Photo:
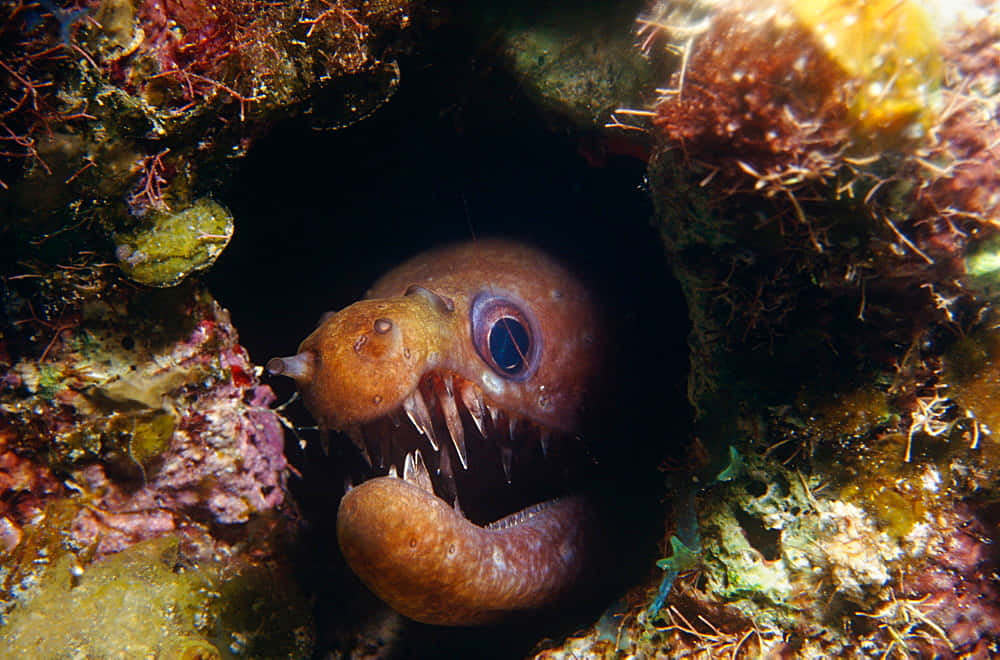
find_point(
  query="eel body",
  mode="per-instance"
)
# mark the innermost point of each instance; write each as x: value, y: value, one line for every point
x: 471, y: 356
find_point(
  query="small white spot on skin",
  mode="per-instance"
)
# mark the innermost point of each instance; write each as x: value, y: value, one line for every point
x: 567, y: 552
x: 492, y: 383
x: 498, y: 559
x: 556, y: 294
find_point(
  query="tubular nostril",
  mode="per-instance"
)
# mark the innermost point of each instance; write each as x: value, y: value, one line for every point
x: 382, y: 325
x: 443, y: 303
x: 297, y: 366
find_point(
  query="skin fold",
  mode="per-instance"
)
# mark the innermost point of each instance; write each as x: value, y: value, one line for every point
x: 493, y: 346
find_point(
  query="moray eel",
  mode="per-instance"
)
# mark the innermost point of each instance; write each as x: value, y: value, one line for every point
x: 474, y: 363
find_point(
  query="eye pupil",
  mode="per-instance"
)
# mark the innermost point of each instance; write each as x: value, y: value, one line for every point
x: 509, y: 343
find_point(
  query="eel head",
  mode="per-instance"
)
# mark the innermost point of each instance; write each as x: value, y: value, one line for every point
x: 476, y: 364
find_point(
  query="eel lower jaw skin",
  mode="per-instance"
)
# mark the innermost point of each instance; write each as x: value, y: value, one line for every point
x: 424, y: 556
x: 431, y: 564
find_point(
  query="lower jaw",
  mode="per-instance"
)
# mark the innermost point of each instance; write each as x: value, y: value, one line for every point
x: 431, y: 564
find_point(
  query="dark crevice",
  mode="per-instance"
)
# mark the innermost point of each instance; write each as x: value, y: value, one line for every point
x: 459, y: 153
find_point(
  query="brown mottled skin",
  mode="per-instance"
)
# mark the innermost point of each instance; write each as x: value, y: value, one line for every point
x: 362, y: 363
x: 435, y: 566
x: 352, y: 383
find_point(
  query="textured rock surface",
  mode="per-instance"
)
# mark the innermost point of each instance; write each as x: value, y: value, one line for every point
x: 135, y: 439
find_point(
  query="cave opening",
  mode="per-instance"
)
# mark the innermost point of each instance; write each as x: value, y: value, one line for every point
x: 458, y: 153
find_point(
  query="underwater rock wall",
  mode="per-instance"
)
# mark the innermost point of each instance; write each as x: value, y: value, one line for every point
x: 826, y: 183
x: 825, y: 179
x: 142, y: 474
x: 142, y: 467
x: 123, y: 115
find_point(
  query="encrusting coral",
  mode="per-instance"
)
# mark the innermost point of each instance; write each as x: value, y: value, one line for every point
x: 119, y: 115
x: 132, y: 418
x: 827, y: 182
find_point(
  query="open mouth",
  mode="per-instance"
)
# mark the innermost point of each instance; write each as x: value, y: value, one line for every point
x: 485, y: 461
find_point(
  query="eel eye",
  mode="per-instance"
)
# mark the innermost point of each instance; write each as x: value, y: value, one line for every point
x: 502, y: 334
x: 509, y: 344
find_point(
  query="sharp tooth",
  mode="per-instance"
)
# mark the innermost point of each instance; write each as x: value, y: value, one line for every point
x: 512, y: 427
x: 507, y: 458
x: 384, y: 449
x: 447, y: 481
x: 494, y: 414
x: 415, y: 471
x: 416, y: 410
x: 544, y: 436
x: 454, y: 423
x: 348, y: 485
x: 358, y: 438
x: 393, y: 472
x: 472, y: 399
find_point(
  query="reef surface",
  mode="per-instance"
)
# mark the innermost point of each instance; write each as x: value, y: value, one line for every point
x: 825, y: 184
x: 825, y: 181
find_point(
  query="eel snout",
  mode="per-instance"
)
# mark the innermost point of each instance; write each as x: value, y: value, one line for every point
x: 431, y: 564
x: 363, y: 361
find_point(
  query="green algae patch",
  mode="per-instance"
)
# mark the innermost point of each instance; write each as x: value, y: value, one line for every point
x: 129, y: 441
x: 136, y: 604
x: 171, y: 246
x: 151, y: 601
x: 261, y: 615
x: 852, y: 415
x: 982, y: 267
x: 897, y: 512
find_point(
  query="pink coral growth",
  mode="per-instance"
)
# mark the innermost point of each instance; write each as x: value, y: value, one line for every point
x: 25, y: 485
x: 224, y: 464
x: 170, y: 433
x: 959, y: 591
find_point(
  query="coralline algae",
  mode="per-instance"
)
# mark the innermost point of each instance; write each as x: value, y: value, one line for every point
x: 137, y: 428
x: 825, y: 181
